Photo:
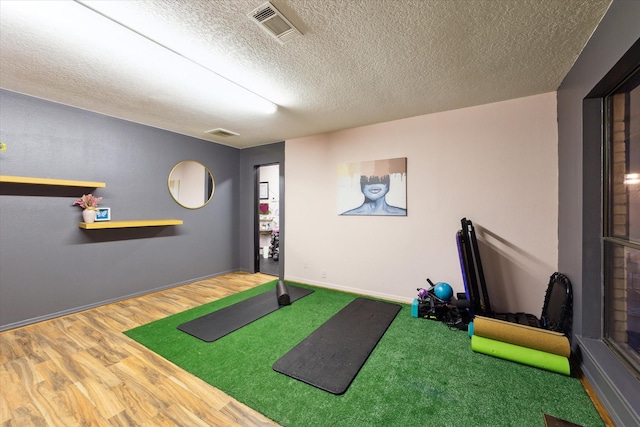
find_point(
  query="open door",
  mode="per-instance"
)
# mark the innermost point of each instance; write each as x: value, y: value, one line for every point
x: 267, y: 239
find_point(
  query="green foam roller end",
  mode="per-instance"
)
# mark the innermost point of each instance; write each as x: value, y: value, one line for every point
x: 526, y: 356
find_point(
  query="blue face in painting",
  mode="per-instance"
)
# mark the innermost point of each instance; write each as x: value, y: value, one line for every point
x: 375, y: 191
x: 374, y: 187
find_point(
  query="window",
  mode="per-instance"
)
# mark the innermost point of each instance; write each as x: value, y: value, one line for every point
x: 622, y: 222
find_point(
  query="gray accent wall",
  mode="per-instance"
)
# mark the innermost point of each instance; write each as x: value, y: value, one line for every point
x: 48, y: 265
x: 580, y: 212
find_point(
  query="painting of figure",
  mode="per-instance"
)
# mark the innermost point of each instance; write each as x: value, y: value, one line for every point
x: 377, y: 187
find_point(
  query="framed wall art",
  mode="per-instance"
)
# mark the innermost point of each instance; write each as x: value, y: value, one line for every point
x: 264, y: 190
x: 103, y: 214
x: 377, y: 187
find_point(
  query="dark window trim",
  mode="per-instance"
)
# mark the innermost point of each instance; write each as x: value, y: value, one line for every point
x: 607, y: 374
x: 619, y: 73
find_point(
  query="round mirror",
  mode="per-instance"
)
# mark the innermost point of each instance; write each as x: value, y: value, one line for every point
x: 191, y: 184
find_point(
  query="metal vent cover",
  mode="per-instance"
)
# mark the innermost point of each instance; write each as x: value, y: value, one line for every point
x: 221, y: 132
x: 274, y: 23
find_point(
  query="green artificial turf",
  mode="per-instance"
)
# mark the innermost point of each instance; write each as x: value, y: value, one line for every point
x: 420, y: 373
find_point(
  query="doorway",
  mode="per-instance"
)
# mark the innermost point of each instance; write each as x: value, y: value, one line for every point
x: 267, y: 239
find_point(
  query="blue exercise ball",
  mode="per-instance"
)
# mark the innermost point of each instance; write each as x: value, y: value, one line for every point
x: 444, y: 291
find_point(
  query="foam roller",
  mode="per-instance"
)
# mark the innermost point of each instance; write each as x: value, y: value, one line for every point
x: 521, y: 335
x: 526, y: 356
x: 282, y: 292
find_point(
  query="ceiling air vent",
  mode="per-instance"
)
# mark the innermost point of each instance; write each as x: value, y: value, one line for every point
x: 274, y: 23
x: 221, y: 132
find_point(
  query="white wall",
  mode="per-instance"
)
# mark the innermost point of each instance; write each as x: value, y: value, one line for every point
x: 495, y: 164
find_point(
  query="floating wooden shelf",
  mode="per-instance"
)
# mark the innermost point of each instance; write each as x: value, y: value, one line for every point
x: 50, y: 181
x: 128, y: 224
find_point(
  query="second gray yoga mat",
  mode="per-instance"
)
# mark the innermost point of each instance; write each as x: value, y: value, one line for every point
x: 331, y: 357
x: 213, y: 326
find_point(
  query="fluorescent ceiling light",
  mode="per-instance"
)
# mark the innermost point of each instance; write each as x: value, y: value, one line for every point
x: 126, y: 53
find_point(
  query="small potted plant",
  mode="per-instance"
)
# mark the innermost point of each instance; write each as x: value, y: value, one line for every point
x: 89, y: 203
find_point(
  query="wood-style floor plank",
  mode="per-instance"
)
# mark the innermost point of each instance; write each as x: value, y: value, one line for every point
x: 81, y: 370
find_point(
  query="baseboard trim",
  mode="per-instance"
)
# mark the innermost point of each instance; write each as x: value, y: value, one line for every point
x: 49, y: 316
x: 351, y: 290
x: 602, y: 411
x: 609, y: 380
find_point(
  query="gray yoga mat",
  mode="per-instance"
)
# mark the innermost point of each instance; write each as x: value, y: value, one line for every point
x: 213, y: 326
x: 331, y: 357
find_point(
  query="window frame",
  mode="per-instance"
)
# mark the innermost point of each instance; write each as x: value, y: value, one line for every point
x: 624, y: 85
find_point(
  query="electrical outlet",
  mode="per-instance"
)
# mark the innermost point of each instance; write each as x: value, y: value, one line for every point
x: 324, y: 274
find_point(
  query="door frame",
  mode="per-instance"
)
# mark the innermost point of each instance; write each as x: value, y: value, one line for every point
x: 256, y: 216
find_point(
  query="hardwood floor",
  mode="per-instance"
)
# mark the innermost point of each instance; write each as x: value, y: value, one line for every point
x: 80, y: 370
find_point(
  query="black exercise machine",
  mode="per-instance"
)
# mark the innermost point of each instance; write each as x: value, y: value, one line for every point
x: 556, y: 310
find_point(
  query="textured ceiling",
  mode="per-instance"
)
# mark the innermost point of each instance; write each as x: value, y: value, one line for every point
x: 358, y: 62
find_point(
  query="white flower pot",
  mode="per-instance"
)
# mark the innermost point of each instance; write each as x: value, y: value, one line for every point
x: 89, y: 215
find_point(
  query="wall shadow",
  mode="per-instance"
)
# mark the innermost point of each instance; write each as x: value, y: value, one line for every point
x: 508, y: 269
x: 118, y: 234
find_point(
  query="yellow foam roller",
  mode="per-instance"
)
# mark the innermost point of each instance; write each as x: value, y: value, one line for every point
x: 524, y: 336
x: 526, y: 356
